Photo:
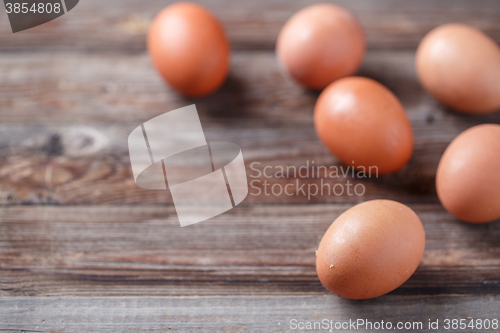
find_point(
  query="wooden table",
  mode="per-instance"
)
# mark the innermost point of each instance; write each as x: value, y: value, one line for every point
x: 83, y: 249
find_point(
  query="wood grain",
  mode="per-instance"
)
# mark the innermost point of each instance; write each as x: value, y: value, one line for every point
x: 258, y: 250
x: 64, y: 134
x: 62, y: 89
x: 229, y: 314
x: 121, y: 25
x: 83, y: 249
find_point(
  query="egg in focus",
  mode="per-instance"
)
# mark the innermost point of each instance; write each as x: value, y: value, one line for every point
x: 320, y: 44
x: 370, y: 250
x: 189, y: 49
x: 364, y: 124
x: 460, y: 66
x: 468, y: 175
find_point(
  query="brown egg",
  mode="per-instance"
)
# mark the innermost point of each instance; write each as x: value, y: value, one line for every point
x: 370, y: 250
x: 364, y: 124
x: 320, y: 44
x: 468, y: 175
x: 460, y: 66
x: 189, y: 48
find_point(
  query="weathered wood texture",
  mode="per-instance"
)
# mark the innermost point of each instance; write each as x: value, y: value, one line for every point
x: 260, y: 250
x: 66, y: 118
x: 98, y: 254
x: 232, y: 314
x: 122, y: 24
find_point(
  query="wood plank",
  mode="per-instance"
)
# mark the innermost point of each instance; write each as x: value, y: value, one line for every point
x: 109, y: 89
x: 242, y: 314
x: 122, y: 24
x: 62, y: 89
x: 90, y: 165
x: 258, y: 250
x: 64, y: 137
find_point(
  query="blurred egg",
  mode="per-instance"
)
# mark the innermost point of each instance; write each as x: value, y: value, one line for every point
x: 320, y: 44
x: 362, y: 123
x: 370, y: 250
x: 460, y: 66
x: 189, y: 48
x: 468, y: 175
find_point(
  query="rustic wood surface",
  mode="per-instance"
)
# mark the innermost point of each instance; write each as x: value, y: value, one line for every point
x: 83, y: 249
x: 120, y: 25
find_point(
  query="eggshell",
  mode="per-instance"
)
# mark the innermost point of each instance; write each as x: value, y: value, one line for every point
x: 189, y: 48
x: 460, y: 66
x: 320, y: 44
x: 370, y: 250
x: 468, y: 175
x: 364, y: 124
